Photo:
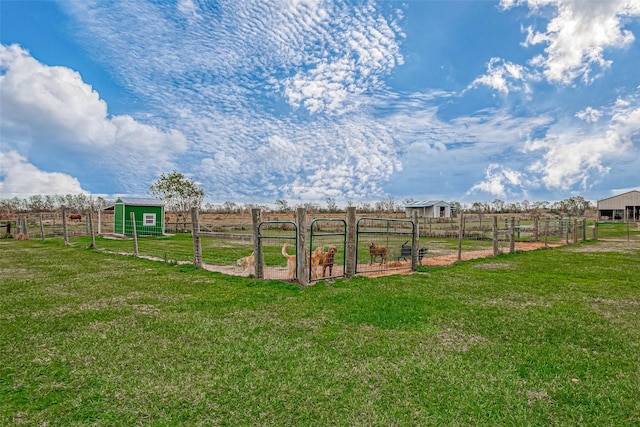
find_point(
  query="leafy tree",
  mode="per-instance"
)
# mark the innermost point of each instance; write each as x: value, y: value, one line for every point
x: 229, y: 206
x: 282, y: 205
x: 178, y: 192
x: 498, y: 205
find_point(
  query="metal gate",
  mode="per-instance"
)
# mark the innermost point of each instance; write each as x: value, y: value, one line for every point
x: 327, y: 248
x: 384, y: 244
x: 272, y: 238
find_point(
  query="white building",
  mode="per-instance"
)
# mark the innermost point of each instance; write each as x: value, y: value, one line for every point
x: 428, y: 209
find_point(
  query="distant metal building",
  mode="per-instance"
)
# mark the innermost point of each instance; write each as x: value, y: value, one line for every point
x: 428, y: 209
x: 623, y: 207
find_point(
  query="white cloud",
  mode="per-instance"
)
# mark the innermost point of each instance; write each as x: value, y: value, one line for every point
x: 235, y: 73
x: 589, y: 115
x: 19, y: 178
x: 577, y: 35
x: 572, y: 157
x: 505, y: 77
x: 500, y: 181
x: 50, y: 102
x: 45, y: 107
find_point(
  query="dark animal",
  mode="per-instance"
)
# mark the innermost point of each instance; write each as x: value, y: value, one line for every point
x: 76, y: 217
x: 422, y: 252
x: 377, y: 251
x: 405, y: 251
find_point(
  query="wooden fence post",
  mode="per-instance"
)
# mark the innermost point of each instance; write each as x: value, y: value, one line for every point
x: 416, y: 242
x: 301, y: 257
x: 257, y: 244
x: 351, y: 242
x: 25, y: 231
x: 575, y: 230
x: 595, y: 230
x: 584, y: 229
x: 93, y: 237
x: 495, y: 236
x: 135, y: 234
x: 197, y: 244
x: 512, y: 236
x: 41, y: 228
x: 460, y: 235
x: 65, y: 232
x: 536, y: 224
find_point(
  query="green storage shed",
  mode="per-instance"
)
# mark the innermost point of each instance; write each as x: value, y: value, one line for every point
x: 148, y: 213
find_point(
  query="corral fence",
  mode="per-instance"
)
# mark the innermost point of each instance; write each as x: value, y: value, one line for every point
x: 408, y: 242
x: 330, y: 233
x: 274, y: 238
x: 384, y: 243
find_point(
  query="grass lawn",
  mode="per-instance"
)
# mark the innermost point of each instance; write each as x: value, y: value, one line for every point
x: 550, y: 337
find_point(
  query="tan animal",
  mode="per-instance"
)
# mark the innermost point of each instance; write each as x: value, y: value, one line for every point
x: 247, y: 263
x: 328, y: 260
x: 316, y: 261
x: 291, y: 261
x: 377, y: 251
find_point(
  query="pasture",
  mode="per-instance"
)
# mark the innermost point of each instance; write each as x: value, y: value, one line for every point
x: 549, y: 337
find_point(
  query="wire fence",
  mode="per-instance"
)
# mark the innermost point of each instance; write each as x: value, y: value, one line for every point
x: 227, y: 246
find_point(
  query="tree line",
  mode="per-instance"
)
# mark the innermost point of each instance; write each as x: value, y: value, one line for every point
x: 574, y: 206
x: 181, y: 193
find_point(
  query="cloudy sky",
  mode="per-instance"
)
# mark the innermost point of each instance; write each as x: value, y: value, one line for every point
x: 303, y: 100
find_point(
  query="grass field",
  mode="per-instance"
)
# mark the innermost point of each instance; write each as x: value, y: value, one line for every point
x: 550, y: 337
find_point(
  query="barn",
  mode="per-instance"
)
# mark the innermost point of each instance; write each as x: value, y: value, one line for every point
x: 148, y: 213
x: 623, y: 207
x: 428, y: 209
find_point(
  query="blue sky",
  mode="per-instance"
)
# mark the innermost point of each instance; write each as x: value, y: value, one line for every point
x: 303, y: 100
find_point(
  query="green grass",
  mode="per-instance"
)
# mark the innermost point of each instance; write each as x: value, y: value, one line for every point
x: 618, y: 230
x: 539, y: 338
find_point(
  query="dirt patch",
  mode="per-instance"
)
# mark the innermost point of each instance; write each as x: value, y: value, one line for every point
x: 395, y: 267
x: 622, y: 246
x: 485, y: 253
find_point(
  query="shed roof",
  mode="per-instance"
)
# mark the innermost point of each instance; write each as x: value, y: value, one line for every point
x: 140, y: 201
x: 136, y: 201
x: 425, y: 204
x: 628, y: 193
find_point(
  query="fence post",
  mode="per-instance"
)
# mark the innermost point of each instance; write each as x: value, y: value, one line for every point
x: 25, y: 231
x: 536, y: 224
x: 41, y: 228
x: 595, y: 230
x: 416, y: 242
x: 584, y: 229
x: 93, y: 237
x: 65, y: 232
x: 135, y: 234
x: 99, y: 221
x: 351, y: 242
x: 546, y: 232
x: 301, y: 257
x: 197, y: 244
x: 257, y: 244
x: 512, y: 236
x: 495, y: 236
x: 460, y: 235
